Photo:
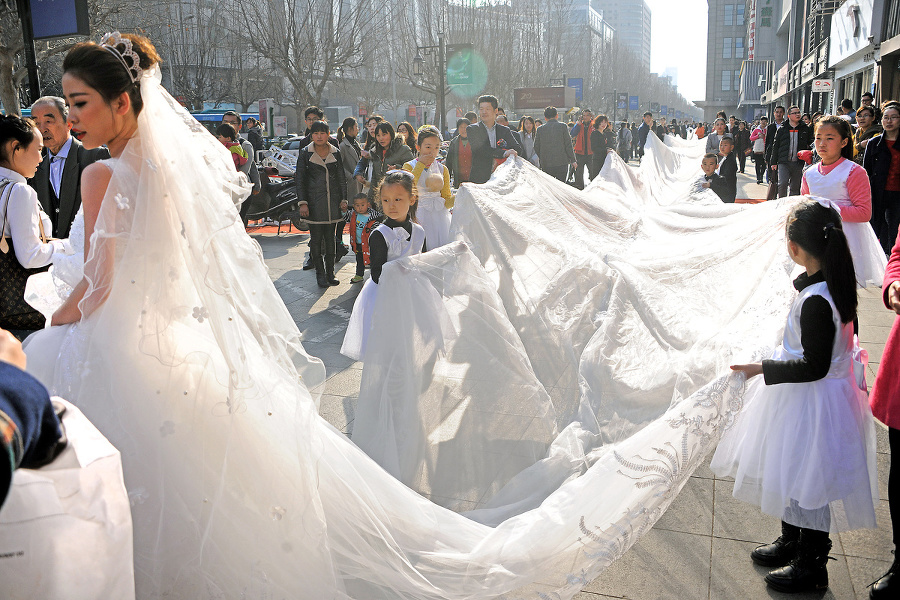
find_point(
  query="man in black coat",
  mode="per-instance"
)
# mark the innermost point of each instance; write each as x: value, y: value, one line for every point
x: 58, y: 177
x: 554, y: 146
x: 771, y: 130
x: 490, y: 141
x: 793, y: 137
x: 643, y: 131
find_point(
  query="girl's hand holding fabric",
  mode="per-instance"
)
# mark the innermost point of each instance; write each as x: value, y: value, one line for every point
x: 751, y: 370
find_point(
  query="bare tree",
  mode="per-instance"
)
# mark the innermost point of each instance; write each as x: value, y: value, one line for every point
x: 308, y: 42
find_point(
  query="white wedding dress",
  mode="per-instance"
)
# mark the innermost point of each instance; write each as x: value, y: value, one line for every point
x: 593, y: 332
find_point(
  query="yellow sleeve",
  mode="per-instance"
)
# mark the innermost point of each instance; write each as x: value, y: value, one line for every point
x: 407, y: 167
x: 446, y: 194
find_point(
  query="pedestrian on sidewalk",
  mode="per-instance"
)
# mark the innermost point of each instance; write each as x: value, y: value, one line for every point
x: 725, y: 186
x: 715, y: 136
x: 642, y: 133
x: 603, y: 141
x: 321, y: 195
x: 789, y: 140
x: 772, y: 174
x: 584, y: 155
x: 758, y: 145
x: 625, y: 141
x: 363, y: 220
x: 554, y: 146
x: 866, y: 129
x: 805, y: 452
x: 886, y: 407
x: 742, y: 145
x: 882, y: 163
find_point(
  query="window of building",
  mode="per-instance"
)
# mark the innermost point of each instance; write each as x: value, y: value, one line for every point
x: 726, y: 81
x: 739, y: 47
x: 737, y: 80
x: 729, y: 15
x: 726, y: 47
x: 739, y: 16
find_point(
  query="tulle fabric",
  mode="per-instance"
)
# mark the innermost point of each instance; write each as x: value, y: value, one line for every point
x: 808, y: 446
x: 615, y: 312
x: 46, y: 291
x: 399, y: 244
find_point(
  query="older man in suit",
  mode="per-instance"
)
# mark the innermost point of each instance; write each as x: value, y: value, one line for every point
x: 553, y: 145
x: 490, y: 141
x: 58, y: 177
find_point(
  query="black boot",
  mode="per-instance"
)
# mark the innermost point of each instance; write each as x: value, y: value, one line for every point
x: 888, y: 586
x: 329, y: 270
x: 808, y: 571
x: 781, y: 551
x: 319, y: 264
x: 309, y: 264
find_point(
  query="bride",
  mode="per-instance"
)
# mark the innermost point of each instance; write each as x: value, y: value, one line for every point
x: 177, y: 346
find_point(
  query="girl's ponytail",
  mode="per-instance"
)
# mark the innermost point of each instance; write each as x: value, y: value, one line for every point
x: 837, y: 265
x: 818, y: 230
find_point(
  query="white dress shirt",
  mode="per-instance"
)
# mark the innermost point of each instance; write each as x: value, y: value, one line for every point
x: 57, y: 164
x: 19, y: 202
x: 492, y: 134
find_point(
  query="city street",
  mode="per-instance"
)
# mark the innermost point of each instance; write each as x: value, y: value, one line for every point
x: 700, y: 547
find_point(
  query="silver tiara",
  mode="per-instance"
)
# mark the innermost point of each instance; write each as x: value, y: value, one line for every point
x: 121, y: 48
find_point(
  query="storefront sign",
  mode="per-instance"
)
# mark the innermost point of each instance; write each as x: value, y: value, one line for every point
x: 822, y: 85
x: 751, y: 31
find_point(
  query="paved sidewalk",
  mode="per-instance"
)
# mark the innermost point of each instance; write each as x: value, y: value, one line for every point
x: 700, y: 548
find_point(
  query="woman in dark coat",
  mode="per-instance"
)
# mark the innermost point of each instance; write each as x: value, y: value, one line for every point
x: 884, y: 177
x: 321, y: 194
x: 603, y: 141
x: 390, y: 152
x: 742, y: 144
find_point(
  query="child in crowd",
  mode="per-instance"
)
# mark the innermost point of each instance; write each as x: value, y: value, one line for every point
x: 228, y: 136
x: 726, y: 184
x: 708, y: 165
x: 803, y: 447
x: 397, y: 237
x: 433, y: 182
x: 846, y: 184
x: 363, y: 220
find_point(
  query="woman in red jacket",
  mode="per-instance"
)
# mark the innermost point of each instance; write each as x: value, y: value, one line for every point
x: 885, y: 402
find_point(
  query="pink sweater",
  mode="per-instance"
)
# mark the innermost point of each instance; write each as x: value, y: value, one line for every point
x: 858, y: 187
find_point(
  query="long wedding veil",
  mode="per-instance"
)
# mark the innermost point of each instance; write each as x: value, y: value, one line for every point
x: 577, y: 378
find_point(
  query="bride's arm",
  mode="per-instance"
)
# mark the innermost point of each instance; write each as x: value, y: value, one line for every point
x: 94, y: 181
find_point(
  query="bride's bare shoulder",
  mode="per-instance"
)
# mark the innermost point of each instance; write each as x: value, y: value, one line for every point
x: 94, y: 181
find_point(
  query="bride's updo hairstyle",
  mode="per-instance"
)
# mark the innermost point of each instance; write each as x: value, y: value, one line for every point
x: 15, y: 128
x: 102, y: 69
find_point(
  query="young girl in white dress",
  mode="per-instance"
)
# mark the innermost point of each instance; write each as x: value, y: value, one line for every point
x: 846, y: 185
x: 396, y: 238
x: 803, y: 447
x: 433, y: 182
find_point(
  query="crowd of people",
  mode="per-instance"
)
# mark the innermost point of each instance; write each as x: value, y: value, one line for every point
x: 86, y: 176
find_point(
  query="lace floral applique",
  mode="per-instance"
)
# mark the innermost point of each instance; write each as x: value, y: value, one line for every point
x: 200, y: 313
x: 122, y: 202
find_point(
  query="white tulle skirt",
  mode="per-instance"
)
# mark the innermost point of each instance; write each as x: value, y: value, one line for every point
x: 356, y: 338
x: 806, y: 445
x: 434, y: 219
x: 869, y: 260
